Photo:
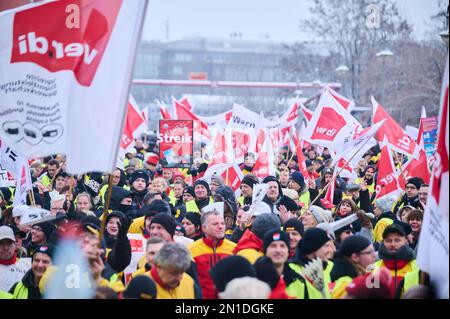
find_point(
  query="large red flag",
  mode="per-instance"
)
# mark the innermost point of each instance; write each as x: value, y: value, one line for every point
x: 387, y: 180
x: 342, y: 100
x: 182, y: 113
x: 300, y: 157
x: 396, y: 136
x: 133, y: 126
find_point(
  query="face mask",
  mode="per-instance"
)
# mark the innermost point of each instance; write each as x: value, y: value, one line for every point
x: 124, y: 208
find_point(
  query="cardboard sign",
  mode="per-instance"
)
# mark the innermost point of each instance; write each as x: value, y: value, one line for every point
x: 137, y: 243
x: 259, y: 191
x: 175, y: 143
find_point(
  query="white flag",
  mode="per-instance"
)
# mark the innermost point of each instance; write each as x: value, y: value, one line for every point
x: 64, y: 87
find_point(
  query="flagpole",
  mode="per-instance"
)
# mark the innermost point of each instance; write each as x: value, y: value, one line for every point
x: 293, y: 152
x: 335, y: 176
x: 31, y: 197
x: 401, y: 169
x: 105, y: 210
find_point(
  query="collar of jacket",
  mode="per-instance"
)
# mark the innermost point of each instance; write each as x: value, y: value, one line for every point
x: 156, y: 277
x: 387, y: 215
x: 249, y: 241
x: 210, y: 242
x: 10, y: 261
x: 404, y: 253
x: 343, y: 267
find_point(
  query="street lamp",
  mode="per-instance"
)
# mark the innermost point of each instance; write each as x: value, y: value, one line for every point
x: 384, y: 56
x: 341, y: 71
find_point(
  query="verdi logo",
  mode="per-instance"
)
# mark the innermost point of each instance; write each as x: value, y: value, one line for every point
x: 40, y: 36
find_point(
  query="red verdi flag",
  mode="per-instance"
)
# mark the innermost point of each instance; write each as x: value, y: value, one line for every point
x: 175, y: 143
x: 387, y: 180
x: 64, y: 85
x: 134, y: 125
x: 396, y: 136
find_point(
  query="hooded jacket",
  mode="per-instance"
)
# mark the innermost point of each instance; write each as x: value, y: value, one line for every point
x: 206, y: 255
x: 117, y: 195
x: 249, y: 246
x: 400, y: 263
x: 341, y: 275
x: 383, y: 221
x: 300, y: 288
x: 26, y: 288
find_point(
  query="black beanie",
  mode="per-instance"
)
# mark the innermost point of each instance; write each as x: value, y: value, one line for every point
x: 416, y: 181
x: 247, y: 180
x: 45, y: 249
x: 167, y: 221
x: 155, y: 207
x: 354, y: 244
x: 140, y: 287
x: 204, y: 183
x: 294, y: 224
x: 47, y: 228
x: 230, y: 268
x: 298, y: 178
x: 189, y: 190
x: 313, y: 239
x: 275, y: 235
x: 139, y: 174
x: 266, y: 271
x: 194, y: 218
x: 288, y: 203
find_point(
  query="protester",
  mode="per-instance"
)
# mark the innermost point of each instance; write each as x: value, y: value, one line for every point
x: 295, y: 229
x: 415, y: 219
x: 152, y: 246
x: 315, y: 243
x: 384, y: 215
x: 230, y: 268
x: 247, y: 184
x: 210, y: 249
x: 192, y: 225
x: 28, y: 287
x: 246, y: 288
x: 411, y: 196
x: 395, y: 254
x: 202, y: 196
x: 169, y: 273
x: 355, y: 256
x: 12, y: 269
x: 250, y: 245
x: 315, y: 215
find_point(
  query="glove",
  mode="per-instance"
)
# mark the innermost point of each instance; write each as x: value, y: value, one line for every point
x: 124, y: 226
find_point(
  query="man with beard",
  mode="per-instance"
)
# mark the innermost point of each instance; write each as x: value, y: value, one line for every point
x: 396, y: 255
x: 369, y: 174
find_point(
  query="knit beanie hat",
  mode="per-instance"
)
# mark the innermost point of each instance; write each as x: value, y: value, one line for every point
x: 321, y: 215
x: 189, y: 190
x: 227, y: 193
x: 194, y: 218
x: 288, y: 203
x: 312, y: 240
x: 45, y: 249
x: 180, y: 228
x: 294, y: 224
x: 217, y: 179
x: 275, y: 235
x: 204, y: 183
x: 354, y: 244
x: 250, y: 181
x: 298, y: 178
x: 266, y: 271
x: 384, y: 203
x: 230, y: 268
x: 263, y: 223
x: 416, y: 181
x: 167, y: 221
x: 139, y: 174
x: 140, y: 287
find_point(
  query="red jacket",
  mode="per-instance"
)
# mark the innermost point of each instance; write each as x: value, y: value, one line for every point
x: 206, y: 256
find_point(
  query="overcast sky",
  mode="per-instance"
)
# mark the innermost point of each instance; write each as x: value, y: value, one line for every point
x: 253, y: 18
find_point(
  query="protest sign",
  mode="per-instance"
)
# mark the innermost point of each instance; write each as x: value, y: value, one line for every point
x: 175, y: 143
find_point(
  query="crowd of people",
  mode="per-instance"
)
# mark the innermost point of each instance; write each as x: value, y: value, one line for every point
x: 266, y: 252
